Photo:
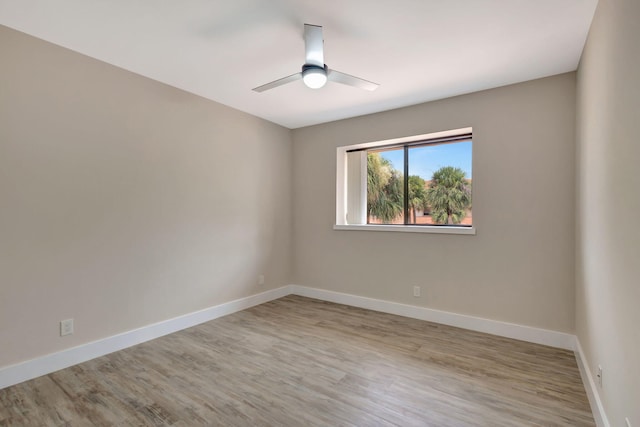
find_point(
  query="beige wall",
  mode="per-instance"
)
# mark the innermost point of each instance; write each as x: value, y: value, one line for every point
x: 608, y: 205
x: 518, y: 268
x: 126, y: 202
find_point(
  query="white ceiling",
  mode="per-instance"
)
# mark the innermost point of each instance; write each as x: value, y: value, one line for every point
x: 418, y: 50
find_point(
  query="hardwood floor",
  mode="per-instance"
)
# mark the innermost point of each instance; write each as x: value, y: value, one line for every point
x: 302, y: 362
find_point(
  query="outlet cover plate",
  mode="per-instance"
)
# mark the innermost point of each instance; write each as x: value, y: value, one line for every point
x: 66, y: 327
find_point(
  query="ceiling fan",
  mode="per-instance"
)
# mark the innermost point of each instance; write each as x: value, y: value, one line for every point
x: 315, y: 72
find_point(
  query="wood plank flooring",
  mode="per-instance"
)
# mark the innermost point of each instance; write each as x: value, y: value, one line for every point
x: 303, y: 362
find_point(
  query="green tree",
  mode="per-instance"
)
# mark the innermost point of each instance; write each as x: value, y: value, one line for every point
x: 384, y: 189
x: 449, y: 195
x: 417, y: 195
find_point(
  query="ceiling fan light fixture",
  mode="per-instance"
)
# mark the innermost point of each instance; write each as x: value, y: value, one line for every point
x: 314, y: 77
x: 315, y: 73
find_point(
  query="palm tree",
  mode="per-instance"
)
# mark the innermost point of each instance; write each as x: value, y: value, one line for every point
x: 417, y: 195
x: 449, y: 195
x: 384, y: 189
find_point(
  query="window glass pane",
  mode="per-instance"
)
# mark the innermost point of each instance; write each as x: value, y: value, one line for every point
x: 440, y: 184
x: 385, y: 186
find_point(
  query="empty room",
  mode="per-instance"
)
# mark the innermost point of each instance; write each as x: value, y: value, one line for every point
x: 297, y: 213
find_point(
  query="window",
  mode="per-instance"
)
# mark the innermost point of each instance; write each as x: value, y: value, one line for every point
x: 373, y: 194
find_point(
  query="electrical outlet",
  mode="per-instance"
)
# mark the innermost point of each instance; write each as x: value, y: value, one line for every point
x: 599, y: 375
x: 261, y: 279
x: 66, y: 327
x: 416, y: 291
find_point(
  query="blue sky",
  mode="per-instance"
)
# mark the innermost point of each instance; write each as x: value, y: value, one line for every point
x: 425, y: 160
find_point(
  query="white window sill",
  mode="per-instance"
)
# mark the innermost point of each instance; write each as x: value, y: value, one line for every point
x: 407, y: 228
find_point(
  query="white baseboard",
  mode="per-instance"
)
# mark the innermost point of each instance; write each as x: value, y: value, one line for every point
x: 30, y: 369
x: 52, y: 362
x: 495, y: 327
x: 597, y: 408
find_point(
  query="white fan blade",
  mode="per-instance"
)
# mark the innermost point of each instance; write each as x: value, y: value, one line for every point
x: 279, y: 82
x: 313, y: 45
x: 346, y: 79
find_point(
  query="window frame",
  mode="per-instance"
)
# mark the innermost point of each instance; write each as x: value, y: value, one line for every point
x: 342, y: 184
